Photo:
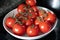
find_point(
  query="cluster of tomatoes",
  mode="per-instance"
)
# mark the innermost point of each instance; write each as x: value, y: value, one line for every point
x: 30, y: 20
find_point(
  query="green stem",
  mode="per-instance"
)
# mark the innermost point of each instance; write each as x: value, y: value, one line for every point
x: 32, y: 25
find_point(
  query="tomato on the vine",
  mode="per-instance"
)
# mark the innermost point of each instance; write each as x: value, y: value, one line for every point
x: 32, y: 15
x: 28, y: 22
x: 37, y: 21
x: 18, y: 29
x: 10, y: 22
x: 31, y: 20
x: 33, y: 30
x: 50, y: 17
x: 21, y: 8
x: 44, y: 27
x: 31, y: 2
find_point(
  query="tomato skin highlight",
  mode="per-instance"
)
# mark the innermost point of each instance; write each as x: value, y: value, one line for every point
x: 44, y: 27
x: 18, y: 29
x: 10, y: 22
x: 31, y: 2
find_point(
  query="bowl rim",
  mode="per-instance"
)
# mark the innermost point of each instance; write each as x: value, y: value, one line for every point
x: 23, y: 37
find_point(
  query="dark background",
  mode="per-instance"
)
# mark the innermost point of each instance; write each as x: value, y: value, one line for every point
x: 8, y: 5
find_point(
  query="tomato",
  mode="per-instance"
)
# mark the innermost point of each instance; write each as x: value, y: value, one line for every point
x: 23, y: 21
x: 18, y: 29
x: 10, y: 22
x: 32, y: 15
x: 50, y: 17
x: 31, y: 2
x: 21, y: 8
x: 33, y: 9
x: 28, y: 22
x: 37, y: 21
x: 44, y: 27
x: 33, y: 31
x: 36, y: 14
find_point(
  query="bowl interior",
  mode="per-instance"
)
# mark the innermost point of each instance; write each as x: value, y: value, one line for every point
x: 13, y: 13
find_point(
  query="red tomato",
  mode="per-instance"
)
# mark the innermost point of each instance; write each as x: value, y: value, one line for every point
x: 33, y: 31
x: 44, y: 27
x: 31, y: 2
x: 32, y: 15
x: 10, y: 22
x: 37, y: 21
x: 50, y: 17
x: 18, y: 29
x: 36, y: 14
x: 23, y: 21
x: 30, y: 10
x: 21, y: 8
x: 28, y: 22
x: 33, y: 9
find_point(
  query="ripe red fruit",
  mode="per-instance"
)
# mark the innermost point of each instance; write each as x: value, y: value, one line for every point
x: 44, y: 27
x: 50, y: 17
x: 31, y: 2
x: 33, y: 31
x: 10, y: 22
x: 18, y: 29
x: 21, y: 8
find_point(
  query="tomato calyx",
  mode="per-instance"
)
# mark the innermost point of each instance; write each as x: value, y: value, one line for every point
x: 31, y: 10
x: 42, y: 13
x: 40, y: 19
x: 25, y: 18
x: 32, y: 26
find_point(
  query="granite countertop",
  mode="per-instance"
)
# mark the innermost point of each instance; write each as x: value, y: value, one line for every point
x: 8, y: 5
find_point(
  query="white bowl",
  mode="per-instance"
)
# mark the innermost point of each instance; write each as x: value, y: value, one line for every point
x: 25, y: 37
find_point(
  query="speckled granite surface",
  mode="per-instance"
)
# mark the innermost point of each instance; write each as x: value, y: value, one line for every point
x: 8, y: 5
